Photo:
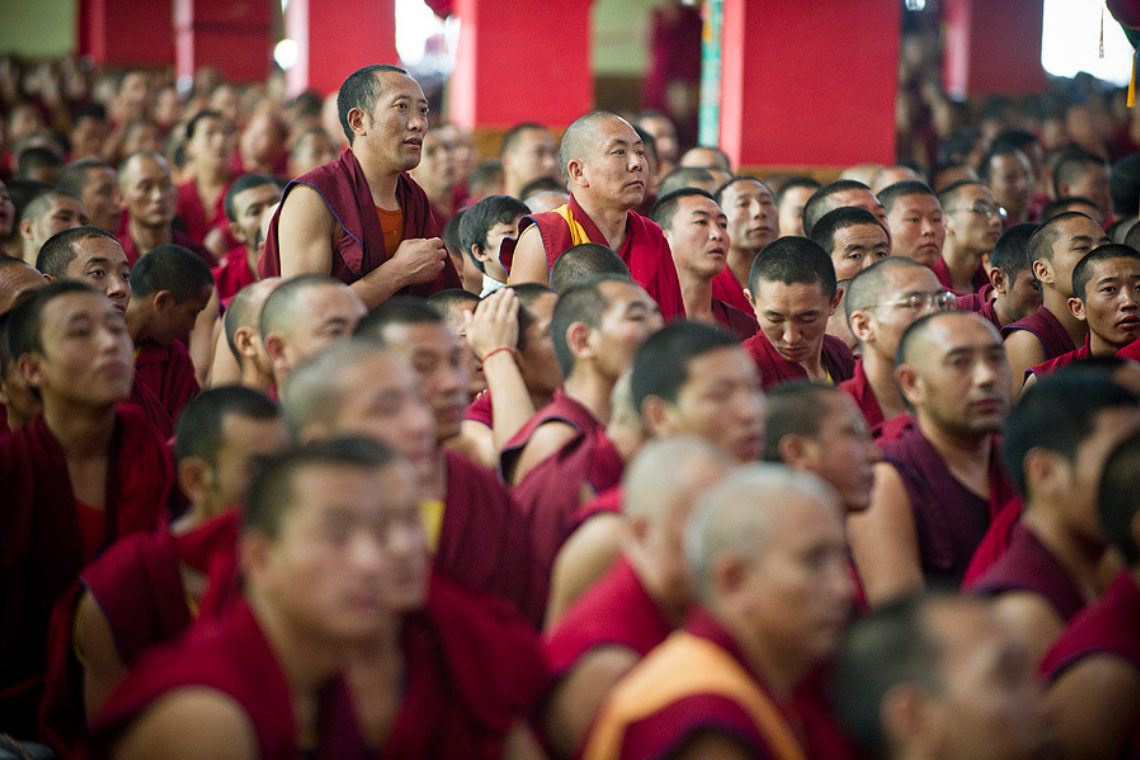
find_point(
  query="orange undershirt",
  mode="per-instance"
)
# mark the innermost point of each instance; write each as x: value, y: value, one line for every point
x: 392, y: 224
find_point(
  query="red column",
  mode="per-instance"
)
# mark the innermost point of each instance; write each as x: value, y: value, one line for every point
x: 232, y: 35
x: 335, y: 39
x: 809, y: 83
x: 530, y: 64
x: 993, y: 48
x: 126, y: 32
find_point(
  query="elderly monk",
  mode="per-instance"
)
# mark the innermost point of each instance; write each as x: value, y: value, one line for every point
x: 361, y: 218
x: 603, y: 161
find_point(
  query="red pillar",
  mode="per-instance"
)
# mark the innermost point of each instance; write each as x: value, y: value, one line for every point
x: 530, y: 64
x: 232, y: 35
x: 335, y: 39
x: 993, y: 48
x: 126, y: 32
x: 809, y: 84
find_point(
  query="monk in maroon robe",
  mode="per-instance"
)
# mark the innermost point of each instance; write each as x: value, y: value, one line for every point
x: 210, y: 147
x: 600, y: 211
x: 973, y: 225
x: 793, y: 294
x: 753, y: 222
x: 926, y: 519
x: 246, y: 200
x: 149, y: 197
x: 77, y: 478
x: 361, y: 218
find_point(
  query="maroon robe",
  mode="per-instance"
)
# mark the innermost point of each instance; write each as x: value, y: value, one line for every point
x: 180, y: 238
x: 726, y: 288
x: 1131, y: 351
x: 168, y: 373
x: 644, y: 251
x: 233, y: 274
x: 232, y: 655
x: 996, y: 541
x: 980, y: 303
x: 551, y: 493
x: 198, y: 223
x: 949, y: 521
x: 608, y: 502
x: 1054, y: 340
x: 1052, y: 365
x: 474, y: 667
x: 153, y: 408
x: 1029, y: 566
x: 1109, y: 626
x: 740, y: 324
x: 360, y: 246
x: 977, y: 282
x: 484, y: 542
x: 481, y: 410
x: 859, y: 389
x: 138, y: 586
x: 837, y: 360
x: 40, y: 545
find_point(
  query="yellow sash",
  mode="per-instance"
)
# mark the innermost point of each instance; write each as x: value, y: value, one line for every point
x: 577, y: 232
x: 686, y: 665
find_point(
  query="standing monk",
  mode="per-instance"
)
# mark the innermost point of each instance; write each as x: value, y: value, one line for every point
x: 603, y: 161
x: 361, y: 218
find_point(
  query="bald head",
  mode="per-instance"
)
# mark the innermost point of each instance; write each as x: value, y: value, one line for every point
x: 17, y: 280
x: 667, y: 474
x: 581, y: 262
x: 244, y: 312
x: 305, y: 315
x: 580, y: 137
x: 870, y: 286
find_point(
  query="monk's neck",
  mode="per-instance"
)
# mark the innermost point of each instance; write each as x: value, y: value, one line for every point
x: 433, y: 480
x: 1058, y: 305
x: 609, y: 219
x: 252, y: 377
x: 1098, y: 346
x: 592, y: 391
x: 307, y: 660
x: 381, y: 180
x: 813, y: 364
x: 671, y: 606
x: 966, y: 457
x: 14, y: 418
x: 963, y: 265
x: 83, y: 432
x: 251, y: 257
x: 740, y: 264
x: 539, y: 400
x: 696, y: 295
x: 780, y: 673
x: 1003, y: 312
x: 211, y: 177
x: 138, y: 323
x: 148, y: 238
x: 1080, y: 558
x: 880, y: 372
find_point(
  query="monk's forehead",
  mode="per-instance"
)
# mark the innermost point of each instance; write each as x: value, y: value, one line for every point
x: 66, y: 306
x: 904, y: 280
x: 97, y: 248
x: 393, y: 84
x: 955, y: 331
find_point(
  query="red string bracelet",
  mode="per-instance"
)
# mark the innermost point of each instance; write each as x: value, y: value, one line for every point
x: 514, y: 351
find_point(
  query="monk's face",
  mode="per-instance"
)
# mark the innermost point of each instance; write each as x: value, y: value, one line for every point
x: 1024, y: 295
x: 213, y: 142
x: 753, y: 220
x: 957, y: 374
x: 720, y: 401
x: 973, y: 221
x: 857, y: 247
x: 791, y: 210
x: 698, y: 237
x: 439, y: 359
x: 1078, y: 235
x: 63, y: 214
x: 630, y: 317
x: 249, y: 206
x: 457, y: 321
x: 917, y: 231
x: 87, y: 354
x: 436, y: 171
x: 394, y: 131
x: 313, y: 150
x: 615, y: 168
x: 349, y: 552
x: 1080, y: 478
x: 325, y: 314
x: 100, y: 199
x: 176, y: 320
x: 533, y: 155
x: 793, y: 317
x: 895, y: 311
x: 148, y: 191
x: 1111, y: 304
x: 536, y: 359
x: 842, y: 452
x: 244, y: 442
x: 101, y: 262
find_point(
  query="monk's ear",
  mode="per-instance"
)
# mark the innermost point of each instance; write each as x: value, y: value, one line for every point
x: 579, y: 340
x: 195, y: 478
x: 574, y: 172
x: 253, y: 555
x: 357, y: 120
x: 835, y: 301
x: 860, y: 325
x: 998, y: 281
x: 480, y: 254
x: 48, y: 277
x: 162, y: 300
x: 1043, y: 470
x: 275, y: 349
x: 907, y: 378
x: 795, y: 451
x: 243, y: 342
x: 1042, y: 271
x: 655, y: 415
x: 26, y: 227
x: 1077, y: 309
x: 30, y: 367
x: 313, y: 432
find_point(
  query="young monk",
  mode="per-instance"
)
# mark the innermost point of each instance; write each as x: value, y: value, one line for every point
x: 83, y: 474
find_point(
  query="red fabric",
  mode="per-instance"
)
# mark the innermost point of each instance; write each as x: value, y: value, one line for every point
x: 740, y: 324
x: 644, y: 251
x: 978, y: 281
x: 1131, y: 351
x: 726, y: 288
x: 980, y: 303
x: 948, y: 531
x: 1052, y: 365
x: 360, y: 249
x: 481, y: 410
x: 1126, y: 12
x: 608, y: 502
x: 1048, y: 330
x: 484, y: 542
x: 168, y: 373
x: 233, y: 656
x: 40, y: 551
x: 193, y: 214
x: 233, y: 274
x: 154, y: 410
x: 995, y: 543
x: 1028, y: 565
x: 859, y: 389
x: 774, y: 369
x: 138, y: 587
x: 616, y: 611
x: 474, y: 668
x: 180, y: 238
x: 550, y: 494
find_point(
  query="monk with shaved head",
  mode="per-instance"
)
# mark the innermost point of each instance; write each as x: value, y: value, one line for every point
x: 239, y: 356
x: 603, y: 161
x: 17, y: 279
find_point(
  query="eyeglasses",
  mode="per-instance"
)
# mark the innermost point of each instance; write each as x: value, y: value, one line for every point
x: 982, y: 209
x: 943, y: 300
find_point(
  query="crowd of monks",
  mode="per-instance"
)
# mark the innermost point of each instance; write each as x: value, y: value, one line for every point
x: 324, y: 438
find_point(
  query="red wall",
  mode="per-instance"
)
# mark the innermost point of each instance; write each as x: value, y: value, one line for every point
x: 993, y: 47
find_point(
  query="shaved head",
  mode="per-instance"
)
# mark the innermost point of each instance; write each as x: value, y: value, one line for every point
x: 245, y: 309
x: 867, y: 288
x: 279, y: 312
x: 665, y: 471
x: 580, y: 137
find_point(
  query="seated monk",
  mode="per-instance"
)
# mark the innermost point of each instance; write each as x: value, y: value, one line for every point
x: 881, y: 303
x: 603, y: 160
x: 1093, y: 670
x: 973, y: 223
x: 362, y: 218
x: 267, y: 676
x: 793, y: 293
x: 246, y: 199
x: 77, y: 478
x: 456, y: 306
x: 1106, y: 297
x: 941, y: 481
x: 170, y: 286
x: 1015, y: 292
x: 853, y: 238
x: 150, y: 198
x: 1060, y: 432
x: 638, y: 602
x: 723, y: 685
x: 243, y: 360
x: 209, y: 149
x: 149, y: 587
x: 358, y: 387
x: 17, y: 279
x: 753, y: 222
